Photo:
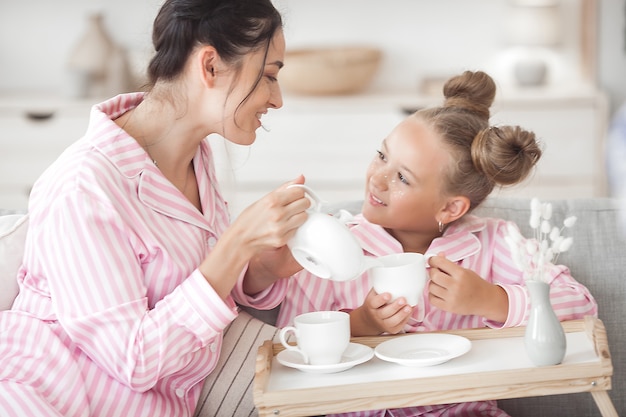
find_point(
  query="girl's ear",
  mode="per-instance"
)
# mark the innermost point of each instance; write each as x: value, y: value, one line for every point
x: 455, y: 208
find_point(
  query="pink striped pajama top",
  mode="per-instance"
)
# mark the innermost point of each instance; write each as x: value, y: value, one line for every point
x: 113, y: 318
x: 474, y: 243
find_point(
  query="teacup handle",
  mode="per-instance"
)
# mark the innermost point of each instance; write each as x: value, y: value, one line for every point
x: 283, y: 340
x: 316, y: 199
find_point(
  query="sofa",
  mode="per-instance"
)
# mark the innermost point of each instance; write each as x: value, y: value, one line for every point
x: 596, y: 259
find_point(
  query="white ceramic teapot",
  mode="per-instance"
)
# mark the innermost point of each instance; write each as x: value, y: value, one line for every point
x: 324, y: 246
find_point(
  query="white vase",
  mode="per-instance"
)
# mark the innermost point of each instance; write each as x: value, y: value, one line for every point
x: 544, y: 338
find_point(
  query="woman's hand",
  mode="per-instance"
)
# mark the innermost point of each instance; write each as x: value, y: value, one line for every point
x: 267, y: 266
x: 271, y: 221
x: 376, y: 315
x: 279, y: 213
x: 263, y: 227
x: 462, y: 291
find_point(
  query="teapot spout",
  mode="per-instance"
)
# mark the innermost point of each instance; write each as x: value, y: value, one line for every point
x: 371, y: 262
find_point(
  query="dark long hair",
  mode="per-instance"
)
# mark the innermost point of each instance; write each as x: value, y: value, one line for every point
x: 233, y: 27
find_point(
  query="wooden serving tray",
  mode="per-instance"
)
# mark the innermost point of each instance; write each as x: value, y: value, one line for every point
x: 495, y: 368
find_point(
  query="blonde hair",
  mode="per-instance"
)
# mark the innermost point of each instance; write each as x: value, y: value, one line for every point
x: 483, y: 156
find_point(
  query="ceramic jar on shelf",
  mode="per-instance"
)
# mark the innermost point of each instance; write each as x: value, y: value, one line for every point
x: 98, y: 66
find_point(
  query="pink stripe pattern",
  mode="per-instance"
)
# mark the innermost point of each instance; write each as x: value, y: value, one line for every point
x: 113, y: 318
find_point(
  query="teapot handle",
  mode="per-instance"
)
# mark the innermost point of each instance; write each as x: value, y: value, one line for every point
x: 311, y: 194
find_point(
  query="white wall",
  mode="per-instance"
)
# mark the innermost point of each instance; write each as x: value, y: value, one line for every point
x: 36, y: 37
x: 612, y: 50
x: 423, y: 38
x: 420, y: 38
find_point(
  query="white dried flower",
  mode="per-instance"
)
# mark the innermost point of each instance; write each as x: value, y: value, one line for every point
x: 549, y: 254
x: 554, y: 233
x: 546, y: 211
x: 514, y: 232
x: 570, y: 221
x: 534, y: 221
x: 566, y: 244
x: 535, y: 258
x: 532, y: 255
x: 535, y: 204
x: 556, y: 243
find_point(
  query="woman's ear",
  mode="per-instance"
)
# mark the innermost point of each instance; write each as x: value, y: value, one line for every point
x: 455, y: 208
x: 207, y: 59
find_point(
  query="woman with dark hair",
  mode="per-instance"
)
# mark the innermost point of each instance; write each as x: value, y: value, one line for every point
x: 130, y: 259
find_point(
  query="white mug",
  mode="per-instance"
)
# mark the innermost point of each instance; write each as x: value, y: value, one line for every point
x: 401, y: 275
x: 322, y: 336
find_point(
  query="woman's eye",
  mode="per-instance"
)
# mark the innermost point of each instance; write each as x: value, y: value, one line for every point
x: 402, y: 178
x: 271, y: 78
x: 381, y: 155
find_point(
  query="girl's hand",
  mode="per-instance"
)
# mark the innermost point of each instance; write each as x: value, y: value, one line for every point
x: 462, y: 291
x: 377, y: 315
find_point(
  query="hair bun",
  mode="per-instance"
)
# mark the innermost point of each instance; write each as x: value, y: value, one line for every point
x: 471, y: 91
x: 505, y: 154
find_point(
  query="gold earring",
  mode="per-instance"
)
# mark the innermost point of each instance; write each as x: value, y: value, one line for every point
x: 440, y: 226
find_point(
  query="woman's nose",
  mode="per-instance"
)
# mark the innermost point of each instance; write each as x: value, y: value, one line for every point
x: 276, y: 97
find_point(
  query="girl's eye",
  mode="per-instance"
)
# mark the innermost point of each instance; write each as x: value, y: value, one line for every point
x: 381, y: 155
x: 402, y: 178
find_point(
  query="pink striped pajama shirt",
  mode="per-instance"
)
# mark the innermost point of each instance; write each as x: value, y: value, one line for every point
x: 474, y: 243
x: 113, y: 318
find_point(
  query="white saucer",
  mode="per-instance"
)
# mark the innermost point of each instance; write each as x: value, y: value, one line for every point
x: 423, y: 349
x: 355, y: 354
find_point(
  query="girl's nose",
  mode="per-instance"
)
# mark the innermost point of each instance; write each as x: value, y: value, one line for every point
x: 380, y: 178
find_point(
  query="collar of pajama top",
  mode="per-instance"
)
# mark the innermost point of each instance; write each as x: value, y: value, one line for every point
x: 131, y: 160
x: 458, y: 241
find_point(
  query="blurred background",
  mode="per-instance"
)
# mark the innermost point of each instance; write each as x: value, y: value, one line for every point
x: 560, y: 66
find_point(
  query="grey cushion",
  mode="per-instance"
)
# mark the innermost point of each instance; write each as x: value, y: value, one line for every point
x: 597, y: 259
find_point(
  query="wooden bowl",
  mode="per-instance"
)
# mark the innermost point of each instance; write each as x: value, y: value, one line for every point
x: 329, y: 71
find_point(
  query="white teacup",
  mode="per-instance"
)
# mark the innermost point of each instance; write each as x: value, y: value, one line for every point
x: 401, y: 275
x: 322, y: 336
